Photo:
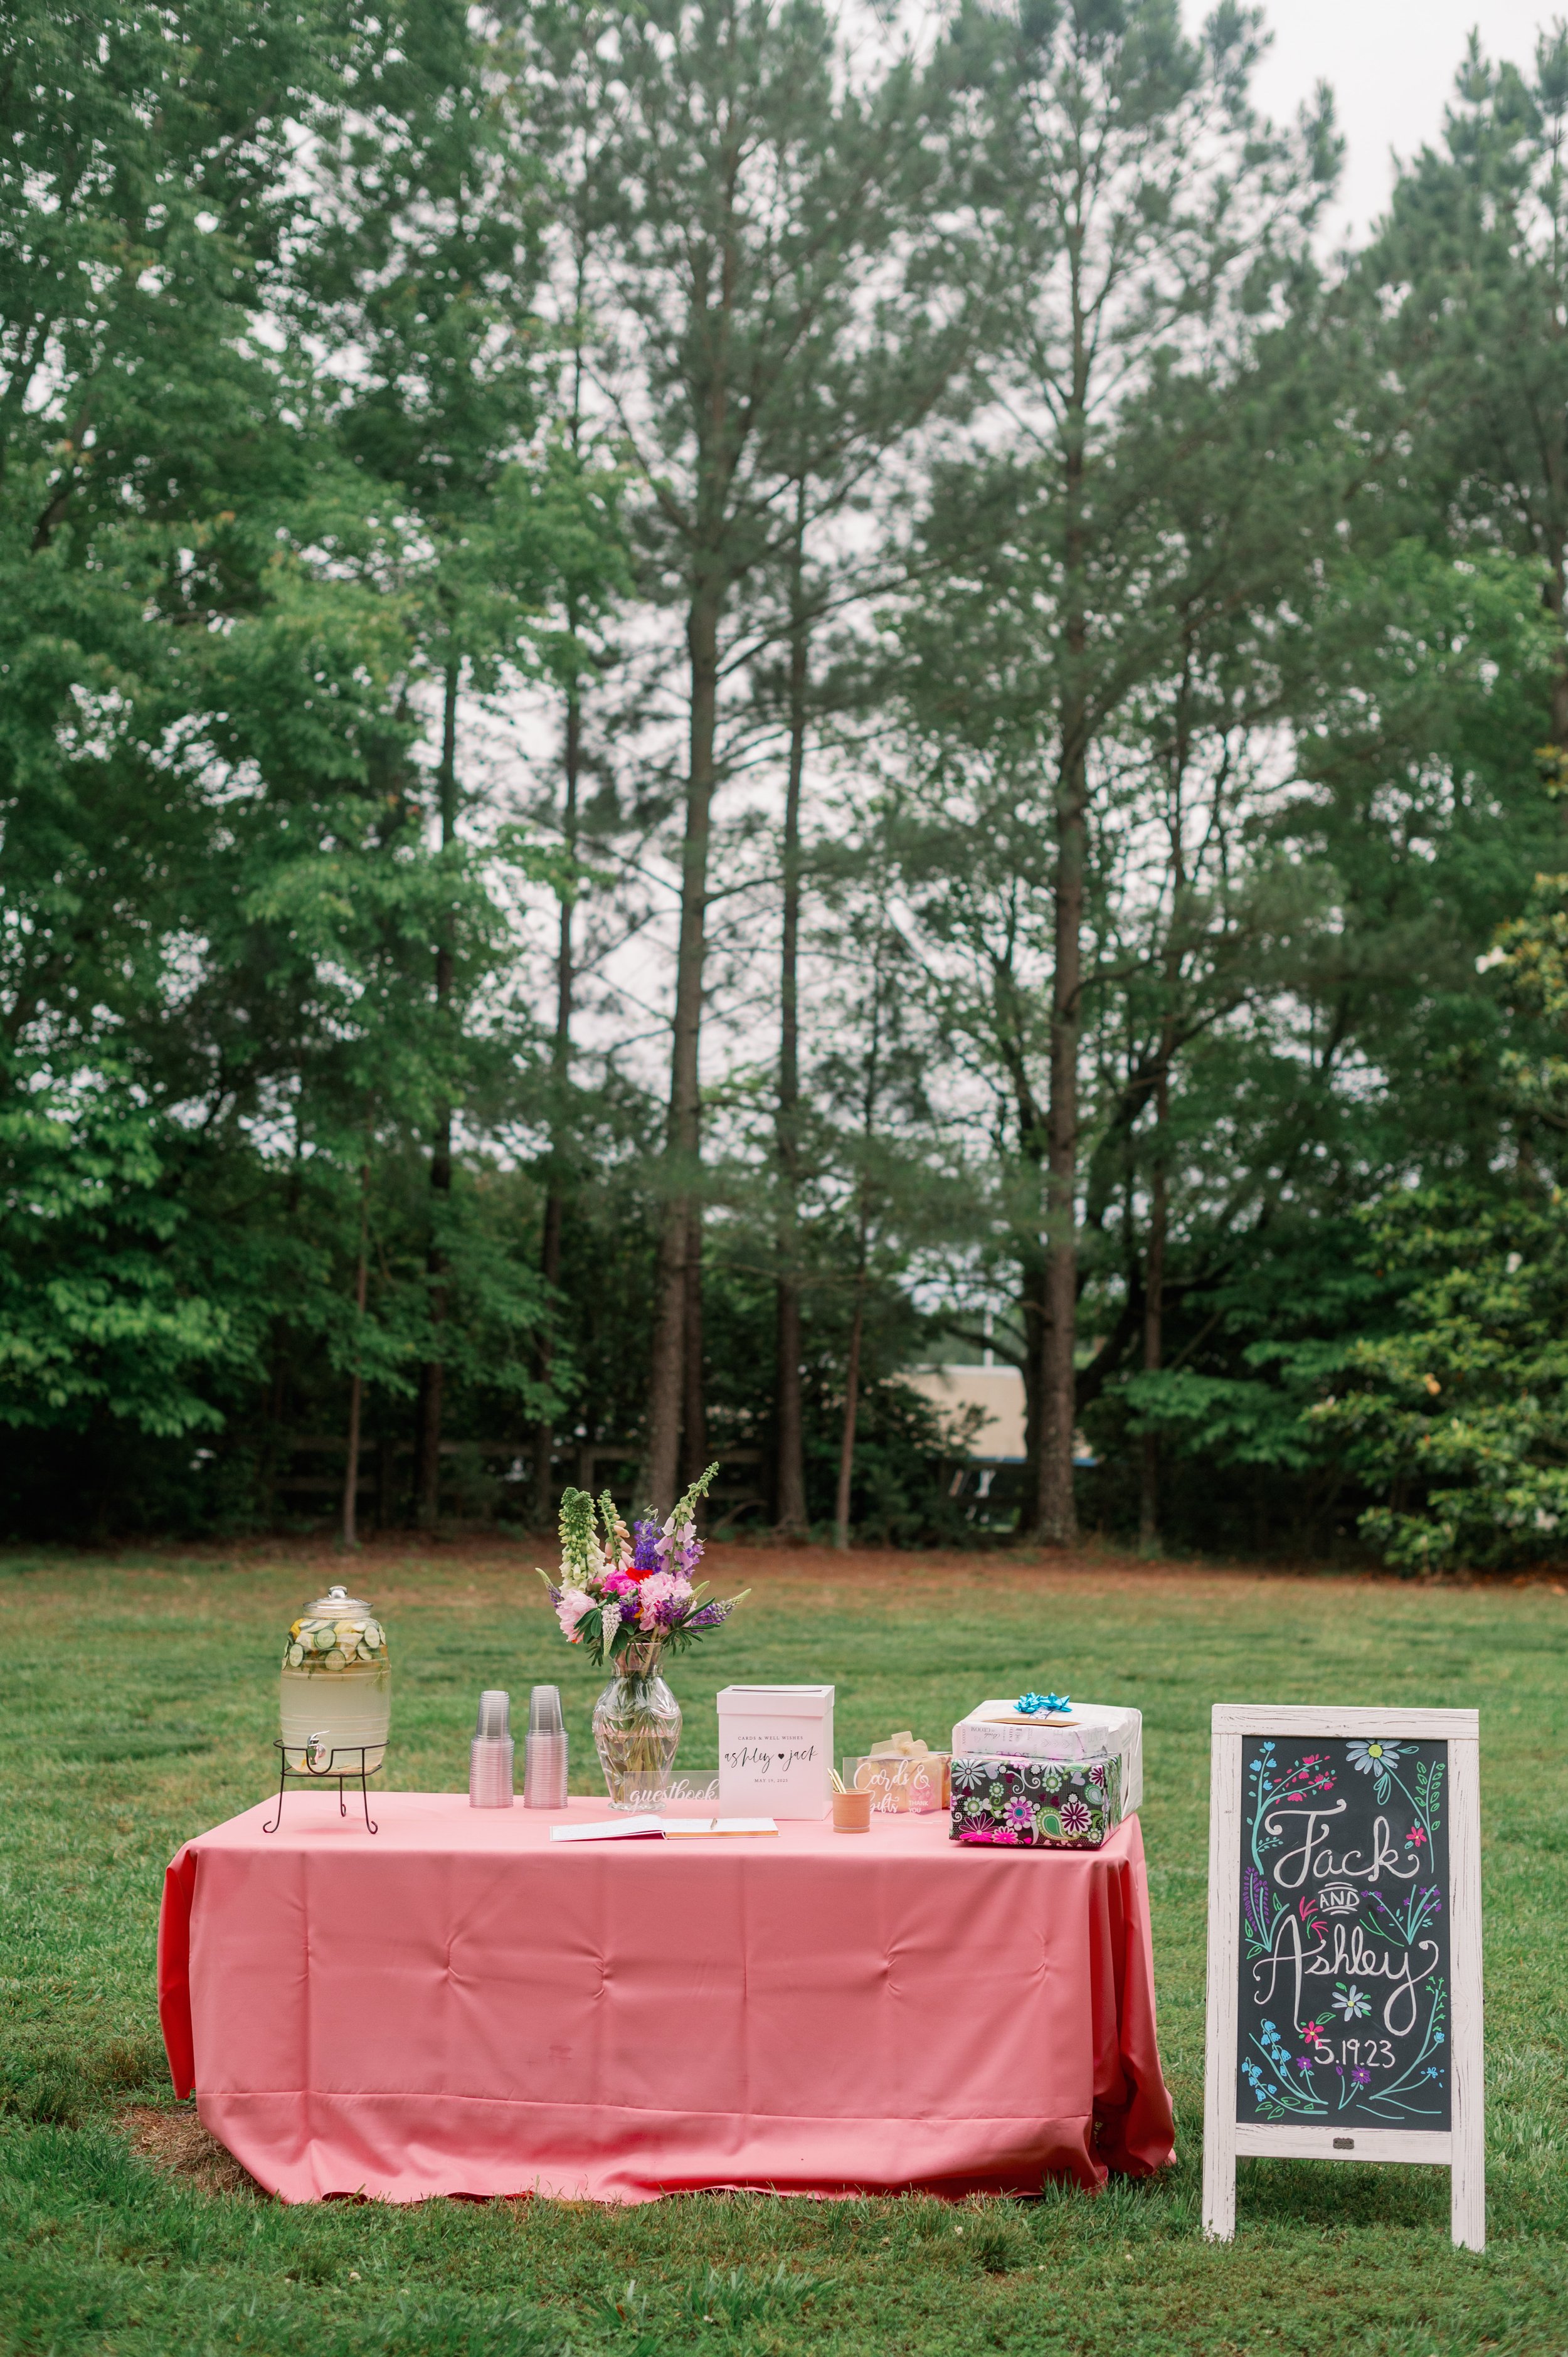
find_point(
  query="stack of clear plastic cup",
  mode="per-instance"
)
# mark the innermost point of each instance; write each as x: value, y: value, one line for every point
x: 491, y: 1754
x: 544, y: 1753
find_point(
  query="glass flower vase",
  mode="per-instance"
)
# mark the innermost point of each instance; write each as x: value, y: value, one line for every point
x: 637, y: 1733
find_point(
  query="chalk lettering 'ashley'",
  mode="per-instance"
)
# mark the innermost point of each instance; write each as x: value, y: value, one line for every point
x: 1348, y: 1953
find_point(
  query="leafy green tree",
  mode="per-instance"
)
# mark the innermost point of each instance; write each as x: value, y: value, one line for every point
x: 145, y: 203
x: 428, y: 290
x: 217, y: 629
x: 1471, y: 273
x: 1130, y: 216
x: 1455, y: 1417
x: 1458, y: 1419
x: 1367, y: 1053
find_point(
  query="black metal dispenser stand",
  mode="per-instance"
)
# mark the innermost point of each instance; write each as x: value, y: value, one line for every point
x: 346, y: 1763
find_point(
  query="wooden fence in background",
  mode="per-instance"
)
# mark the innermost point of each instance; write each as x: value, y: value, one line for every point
x: 484, y: 1480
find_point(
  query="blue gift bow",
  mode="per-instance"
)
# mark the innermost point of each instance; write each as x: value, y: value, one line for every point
x: 1031, y: 1704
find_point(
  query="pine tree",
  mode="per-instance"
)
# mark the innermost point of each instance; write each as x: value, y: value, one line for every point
x: 737, y: 184
x: 1128, y: 209
x: 1470, y: 279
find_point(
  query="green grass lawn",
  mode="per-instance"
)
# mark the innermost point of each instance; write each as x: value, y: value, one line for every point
x: 137, y: 1701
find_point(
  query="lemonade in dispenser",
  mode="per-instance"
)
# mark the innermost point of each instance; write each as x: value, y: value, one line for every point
x: 335, y: 1690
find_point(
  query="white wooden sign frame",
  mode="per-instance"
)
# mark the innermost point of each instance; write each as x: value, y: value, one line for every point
x: 1461, y: 2148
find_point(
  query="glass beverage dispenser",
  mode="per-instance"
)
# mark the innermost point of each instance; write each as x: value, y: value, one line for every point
x: 335, y: 1690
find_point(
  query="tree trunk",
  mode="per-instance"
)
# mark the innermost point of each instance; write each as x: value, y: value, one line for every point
x: 1034, y: 1303
x: 356, y: 1384
x: 850, y: 1410
x: 545, y: 1430
x: 667, y: 1381
x: 862, y: 1262
x: 790, y: 1484
x: 695, y: 1419
x: 1154, y: 1321
x: 1554, y: 590
x: 790, y: 1463
x: 1149, y: 1540
x: 1035, y: 1317
x: 433, y: 1374
x: 1058, y: 1514
x: 1057, y: 1523
x: 560, y: 1075
x: 667, y: 1374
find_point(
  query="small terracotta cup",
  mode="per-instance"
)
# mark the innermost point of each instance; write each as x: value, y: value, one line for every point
x: 851, y: 1813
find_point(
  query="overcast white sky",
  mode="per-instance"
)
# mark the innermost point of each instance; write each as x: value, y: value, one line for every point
x: 1391, y: 65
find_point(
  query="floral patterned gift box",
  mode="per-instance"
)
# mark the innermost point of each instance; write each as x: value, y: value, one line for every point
x: 1076, y: 1732
x: 1037, y: 1804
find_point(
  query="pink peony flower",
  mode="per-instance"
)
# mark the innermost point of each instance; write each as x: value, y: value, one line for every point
x: 570, y: 1607
x: 618, y: 1583
x: 662, y: 1595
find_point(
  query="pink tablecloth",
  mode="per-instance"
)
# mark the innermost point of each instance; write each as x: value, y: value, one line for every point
x: 458, y: 2006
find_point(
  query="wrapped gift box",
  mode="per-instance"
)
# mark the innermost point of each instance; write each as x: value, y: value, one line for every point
x: 915, y: 1785
x: 1036, y: 1803
x: 775, y: 1750
x: 1089, y: 1731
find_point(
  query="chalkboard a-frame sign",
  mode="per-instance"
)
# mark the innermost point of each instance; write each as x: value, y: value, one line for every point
x: 1344, y: 1946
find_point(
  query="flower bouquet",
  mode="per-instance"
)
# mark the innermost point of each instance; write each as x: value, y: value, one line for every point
x: 628, y: 1596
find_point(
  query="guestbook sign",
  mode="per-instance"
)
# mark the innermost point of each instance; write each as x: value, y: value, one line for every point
x: 1344, y: 1945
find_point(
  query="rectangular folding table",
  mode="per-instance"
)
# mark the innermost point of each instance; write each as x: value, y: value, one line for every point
x: 457, y: 2004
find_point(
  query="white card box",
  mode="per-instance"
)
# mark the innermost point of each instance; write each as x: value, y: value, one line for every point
x: 1093, y: 1730
x: 775, y: 1750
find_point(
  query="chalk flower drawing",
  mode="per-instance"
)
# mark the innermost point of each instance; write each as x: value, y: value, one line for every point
x: 1372, y: 1758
